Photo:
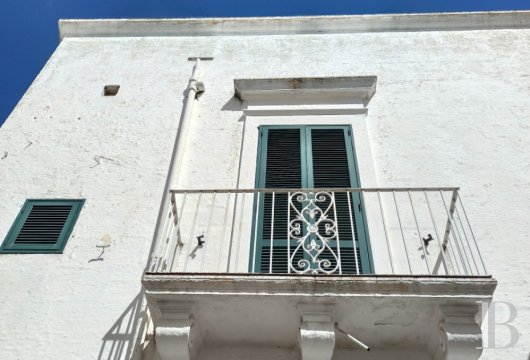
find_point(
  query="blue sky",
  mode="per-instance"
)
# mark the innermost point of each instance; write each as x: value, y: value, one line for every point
x: 28, y: 28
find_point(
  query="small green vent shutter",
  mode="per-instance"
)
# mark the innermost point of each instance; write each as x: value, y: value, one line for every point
x: 42, y: 226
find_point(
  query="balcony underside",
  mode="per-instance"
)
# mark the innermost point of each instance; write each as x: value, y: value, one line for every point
x: 384, y: 312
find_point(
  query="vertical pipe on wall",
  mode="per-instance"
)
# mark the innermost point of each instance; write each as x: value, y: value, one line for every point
x: 193, y: 88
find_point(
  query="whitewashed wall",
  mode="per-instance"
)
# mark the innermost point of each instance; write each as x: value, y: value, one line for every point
x: 451, y: 108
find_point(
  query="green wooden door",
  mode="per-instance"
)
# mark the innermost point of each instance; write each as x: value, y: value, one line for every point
x: 309, y: 157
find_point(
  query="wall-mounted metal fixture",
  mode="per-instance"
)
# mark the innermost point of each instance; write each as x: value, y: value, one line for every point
x: 111, y: 90
x: 202, y: 58
x: 199, y: 85
x: 100, y: 256
x: 426, y: 241
x: 354, y: 340
x: 200, y: 240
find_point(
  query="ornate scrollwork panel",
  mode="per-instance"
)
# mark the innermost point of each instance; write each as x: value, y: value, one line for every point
x: 313, y: 227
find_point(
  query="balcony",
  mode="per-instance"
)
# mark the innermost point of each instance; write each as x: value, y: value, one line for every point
x: 395, y: 269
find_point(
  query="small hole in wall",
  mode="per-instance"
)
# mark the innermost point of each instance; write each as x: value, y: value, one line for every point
x: 111, y: 90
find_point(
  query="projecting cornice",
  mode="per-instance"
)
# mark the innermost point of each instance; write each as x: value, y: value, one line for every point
x: 305, y: 96
x: 294, y: 25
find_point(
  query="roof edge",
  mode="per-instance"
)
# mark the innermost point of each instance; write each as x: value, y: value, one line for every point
x: 294, y: 25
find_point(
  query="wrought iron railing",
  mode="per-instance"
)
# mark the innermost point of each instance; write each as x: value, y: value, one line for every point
x: 340, y: 231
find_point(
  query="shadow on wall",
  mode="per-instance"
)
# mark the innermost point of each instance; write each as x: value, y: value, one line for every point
x: 120, y: 341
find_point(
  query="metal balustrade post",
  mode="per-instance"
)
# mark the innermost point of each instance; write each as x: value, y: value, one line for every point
x: 207, y: 234
x: 402, y: 234
x: 289, y: 232
x: 161, y: 243
x: 256, y: 215
x: 339, y: 261
x: 353, y: 236
x: 225, y: 222
x: 236, y: 265
x: 467, y: 241
x: 442, y: 251
x: 450, y: 227
x: 192, y: 230
x: 419, y: 235
x: 167, y: 259
x: 271, y: 252
x: 177, y: 228
x: 472, y: 234
x: 458, y: 236
x: 168, y: 233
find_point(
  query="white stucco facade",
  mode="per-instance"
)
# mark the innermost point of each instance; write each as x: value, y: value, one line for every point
x: 450, y: 109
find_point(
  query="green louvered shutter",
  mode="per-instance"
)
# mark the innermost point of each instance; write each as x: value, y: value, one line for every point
x: 42, y: 226
x: 283, y: 169
x: 308, y: 157
x: 331, y: 169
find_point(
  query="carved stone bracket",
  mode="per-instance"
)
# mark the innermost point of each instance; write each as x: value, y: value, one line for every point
x: 317, y: 333
x: 460, y: 336
x: 173, y: 332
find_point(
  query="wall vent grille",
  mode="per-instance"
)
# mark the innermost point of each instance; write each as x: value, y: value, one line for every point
x: 42, y: 226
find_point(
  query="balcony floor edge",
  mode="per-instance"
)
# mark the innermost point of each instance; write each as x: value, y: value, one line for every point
x: 479, y: 287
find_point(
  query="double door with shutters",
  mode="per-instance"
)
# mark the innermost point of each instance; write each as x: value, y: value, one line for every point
x: 308, y: 231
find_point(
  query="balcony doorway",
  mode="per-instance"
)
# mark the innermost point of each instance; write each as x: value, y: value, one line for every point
x: 307, y: 222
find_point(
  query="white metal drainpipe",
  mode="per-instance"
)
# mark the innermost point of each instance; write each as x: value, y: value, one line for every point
x: 195, y: 87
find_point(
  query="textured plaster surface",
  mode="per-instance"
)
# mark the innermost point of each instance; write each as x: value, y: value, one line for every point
x: 279, y: 353
x: 450, y: 109
x: 65, y: 140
